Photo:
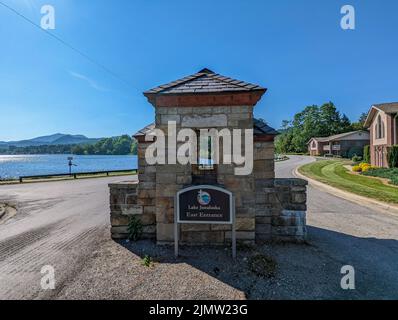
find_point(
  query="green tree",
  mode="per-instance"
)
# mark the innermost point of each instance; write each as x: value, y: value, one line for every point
x: 313, y: 121
x: 359, y: 125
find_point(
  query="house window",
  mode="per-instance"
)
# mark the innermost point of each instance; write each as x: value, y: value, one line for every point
x: 313, y: 145
x: 380, y: 132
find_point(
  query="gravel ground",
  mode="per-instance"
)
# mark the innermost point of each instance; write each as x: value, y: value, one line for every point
x: 116, y: 271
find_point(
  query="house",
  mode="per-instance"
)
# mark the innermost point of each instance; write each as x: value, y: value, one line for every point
x: 265, y: 208
x: 344, y: 144
x: 382, y: 122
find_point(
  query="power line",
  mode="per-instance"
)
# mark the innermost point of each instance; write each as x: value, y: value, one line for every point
x: 81, y: 53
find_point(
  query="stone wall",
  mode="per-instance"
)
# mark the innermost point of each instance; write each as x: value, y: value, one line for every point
x: 266, y: 208
x: 171, y: 178
x: 147, y: 187
x: 123, y: 204
x: 281, y: 210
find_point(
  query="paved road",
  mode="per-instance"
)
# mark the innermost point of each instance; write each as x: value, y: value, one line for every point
x: 63, y: 223
x: 353, y: 235
x: 58, y: 224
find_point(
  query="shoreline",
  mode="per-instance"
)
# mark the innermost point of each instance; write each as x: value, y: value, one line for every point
x: 68, y: 178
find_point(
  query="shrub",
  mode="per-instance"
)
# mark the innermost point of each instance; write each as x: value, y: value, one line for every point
x: 147, y: 261
x: 356, y: 158
x: 364, y: 167
x: 357, y: 168
x: 366, y: 154
x: 394, y: 180
x: 262, y: 266
x: 134, y: 228
x: 391, y: 174
x: 392, y: 156
x: 354, y: 151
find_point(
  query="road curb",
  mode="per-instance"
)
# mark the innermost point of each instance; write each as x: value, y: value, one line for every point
x: 363, y: 201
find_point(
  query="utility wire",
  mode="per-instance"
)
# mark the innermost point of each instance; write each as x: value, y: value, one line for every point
x: 66, y: 44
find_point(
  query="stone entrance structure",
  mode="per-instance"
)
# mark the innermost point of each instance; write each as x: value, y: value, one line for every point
x: 266, y: 208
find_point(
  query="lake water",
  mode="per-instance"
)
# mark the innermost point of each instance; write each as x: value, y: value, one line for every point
x: 14, y: 166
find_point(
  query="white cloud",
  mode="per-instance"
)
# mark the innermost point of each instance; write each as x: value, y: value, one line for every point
x: 90, y: 82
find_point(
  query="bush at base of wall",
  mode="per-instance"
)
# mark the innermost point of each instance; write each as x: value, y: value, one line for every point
x: 392, y: 156
x: 366, y: 154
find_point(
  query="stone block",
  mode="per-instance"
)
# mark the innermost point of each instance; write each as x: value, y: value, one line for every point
x: 147, y: 185
x: 299, y: 197
x: 203, y: 110
x: 147, y: 193
x: 131, y: 210
x: 148, y: 219
x: 161, y: 110
x: 265, y: 153
x: 166, y: 190
x: 299, y: 189
x: 221, y: 227
x: 166, y: 178
x: 246, y: 123
x: 241, y: 235
x: 195, y: 227
x: 245, y: 224
x: 291, y: 182
x: 120, y: 230
x: 294, y: 213
x: 172, y: 110
x: 145, y: 201
x: 204, y: 121
x: 184, y: 179
x: 185, y: 110
x: 204, y: 237
x: 165, y: 232
x: 263, y: 237
x: 289, y: 231
x: 150, y: 209
x: 149, y: 229
x: 223, y: 110
x: 118, y: 220
x: 146, y: 177
x: 263, y: 228
x: 263, y: 220
x: 165, y: 119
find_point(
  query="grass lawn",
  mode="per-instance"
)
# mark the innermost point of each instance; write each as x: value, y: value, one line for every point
x: 334, y: 173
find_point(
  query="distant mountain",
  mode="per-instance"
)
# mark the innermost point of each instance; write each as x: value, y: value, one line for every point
x: 54, y: 139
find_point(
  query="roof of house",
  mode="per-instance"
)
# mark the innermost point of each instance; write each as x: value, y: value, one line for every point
x: 259, y: 128
x: 337, y: 136
x: 205, y: 81
x: 391, y: 107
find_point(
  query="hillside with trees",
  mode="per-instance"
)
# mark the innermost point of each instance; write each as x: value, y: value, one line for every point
x: 109, y: 146
x: 313, y: 121
x: 122, y: 145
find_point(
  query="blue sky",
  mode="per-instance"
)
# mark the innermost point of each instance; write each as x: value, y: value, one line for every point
x: 294, y: 48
